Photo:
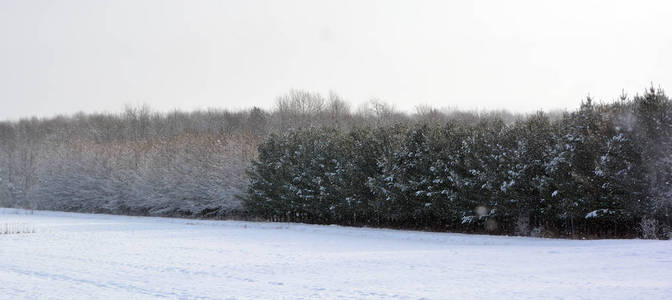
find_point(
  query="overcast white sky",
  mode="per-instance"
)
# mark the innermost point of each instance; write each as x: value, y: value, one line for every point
x: 86, y: 55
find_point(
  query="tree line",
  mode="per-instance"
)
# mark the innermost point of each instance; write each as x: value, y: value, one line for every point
x: 602, y: 170
x: 136, y: 162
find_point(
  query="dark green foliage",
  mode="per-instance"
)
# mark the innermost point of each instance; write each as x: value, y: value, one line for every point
x: 597, y: 171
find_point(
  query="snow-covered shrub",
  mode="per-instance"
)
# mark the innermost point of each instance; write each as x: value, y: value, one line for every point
x: 649, y: 228
x: 539, y: 231
x: 523, y: 226
x: 666, y: 232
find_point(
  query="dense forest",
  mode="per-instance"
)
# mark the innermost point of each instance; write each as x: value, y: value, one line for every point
x: 603, y: 170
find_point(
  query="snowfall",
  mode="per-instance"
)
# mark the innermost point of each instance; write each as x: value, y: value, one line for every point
x: 83, y: 256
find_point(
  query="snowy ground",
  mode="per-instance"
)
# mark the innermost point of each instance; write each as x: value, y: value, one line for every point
x: 101, y: 256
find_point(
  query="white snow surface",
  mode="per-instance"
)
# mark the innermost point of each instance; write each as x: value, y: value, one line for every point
x: 84, y: 256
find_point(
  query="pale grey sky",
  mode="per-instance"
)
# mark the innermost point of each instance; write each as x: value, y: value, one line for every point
x: 87, y: 55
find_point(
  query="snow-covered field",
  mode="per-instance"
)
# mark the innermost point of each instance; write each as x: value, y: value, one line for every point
x: 101, y: 256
